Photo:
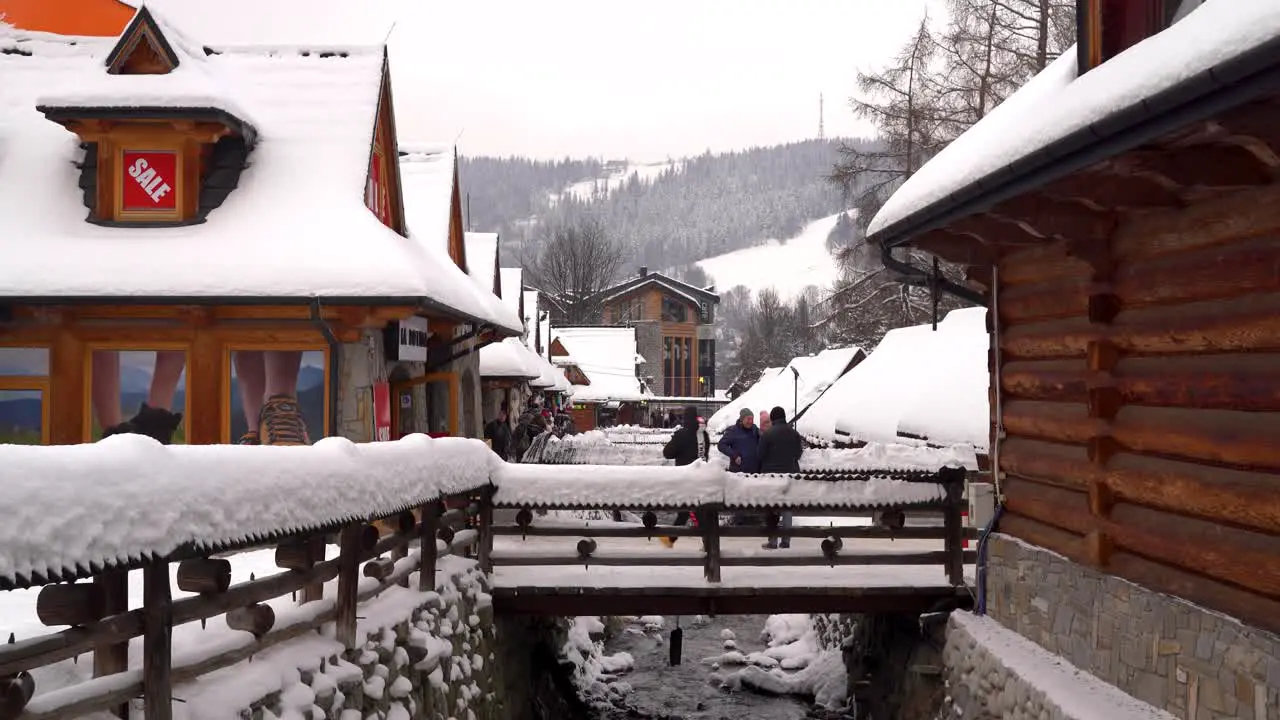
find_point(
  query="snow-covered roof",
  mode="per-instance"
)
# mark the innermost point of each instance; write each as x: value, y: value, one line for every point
x: 606, y: 355
x: 510, y: 281
x: 509, y: 359
x: 780, y: 387
x: 295, y: 228
x: 482, y: 258
x: 426, y: 177
x: 693, y: 294
x: 531, y: 313
x: 1084, y: 108
x: 914, y: 372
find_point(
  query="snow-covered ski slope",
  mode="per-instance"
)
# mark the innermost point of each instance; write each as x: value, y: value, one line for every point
x: 788, y: 266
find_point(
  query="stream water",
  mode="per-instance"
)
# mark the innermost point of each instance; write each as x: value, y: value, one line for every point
x: 694, y: 689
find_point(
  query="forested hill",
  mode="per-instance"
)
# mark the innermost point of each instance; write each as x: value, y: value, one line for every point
x: 666, y: 214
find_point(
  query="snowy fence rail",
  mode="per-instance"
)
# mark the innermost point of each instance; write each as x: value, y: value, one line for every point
x: 190, y: 506
x: 707, y: 491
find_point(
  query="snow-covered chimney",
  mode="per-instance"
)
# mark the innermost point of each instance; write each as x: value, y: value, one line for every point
x: 644, y: 271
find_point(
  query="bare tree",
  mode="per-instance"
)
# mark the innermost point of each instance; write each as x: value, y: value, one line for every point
x: 575, y: 263
x: 1036, y: 32
x: 902, y: 102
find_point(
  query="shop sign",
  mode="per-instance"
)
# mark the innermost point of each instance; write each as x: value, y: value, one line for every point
x: 149, y: 181
x: 407, y: 340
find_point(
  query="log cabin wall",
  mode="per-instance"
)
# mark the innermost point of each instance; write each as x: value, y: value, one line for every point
x: 1141, y: 401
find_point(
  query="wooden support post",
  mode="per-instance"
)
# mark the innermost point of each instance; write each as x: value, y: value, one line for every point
x: 709, y: 521
x: 157, y: 642
x: 408, y: 525
x: 427, y: 535
x: 953, y: 531
x: 350, y: 548
x: 112, y: 659
x: 486, y: 530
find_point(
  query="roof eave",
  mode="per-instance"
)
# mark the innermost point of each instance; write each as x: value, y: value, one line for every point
x: 1226, y: 85
x: 63, y: 114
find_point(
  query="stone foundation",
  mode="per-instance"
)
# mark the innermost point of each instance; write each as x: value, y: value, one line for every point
x: 437, y: 663
x: 1194, y: 663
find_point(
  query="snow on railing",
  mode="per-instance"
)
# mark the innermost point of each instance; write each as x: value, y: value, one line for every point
x: 128, y: 497
x: 592, y: 448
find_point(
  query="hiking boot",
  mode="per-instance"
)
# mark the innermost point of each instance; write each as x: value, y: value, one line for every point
x: 250, y: 438
x: 280, y: 422
x: 668, y: 542
x: 769, y: 546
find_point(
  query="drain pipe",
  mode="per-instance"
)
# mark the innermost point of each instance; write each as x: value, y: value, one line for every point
x: 335, y: 365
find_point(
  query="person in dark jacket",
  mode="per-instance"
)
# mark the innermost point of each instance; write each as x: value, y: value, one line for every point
x: 780, y: 450
x: 687, y: 445
x: 741, y: 444
x: 498, y: 433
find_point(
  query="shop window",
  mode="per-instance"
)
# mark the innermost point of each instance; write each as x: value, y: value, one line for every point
x: 277, y: 396
x: 138, y: 391
x: 24, y: 386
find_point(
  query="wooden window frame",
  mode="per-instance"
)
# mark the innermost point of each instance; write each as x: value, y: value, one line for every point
x: 452, y: 380
x: 119, y: 213
x: 86, y: 430
x: 224, y: 391
x: 31, y: 383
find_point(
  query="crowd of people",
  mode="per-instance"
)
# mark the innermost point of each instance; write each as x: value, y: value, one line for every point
x: 772, y: 447
x: 512, y: 442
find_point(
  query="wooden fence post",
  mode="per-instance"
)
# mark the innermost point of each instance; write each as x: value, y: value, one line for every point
x: 157, y: 642
x: 349, y: 550
x: 709, y: 521
x: 486, y: 530
x: 427, y: 536
x: 952, y: 525
x: 112, y: 659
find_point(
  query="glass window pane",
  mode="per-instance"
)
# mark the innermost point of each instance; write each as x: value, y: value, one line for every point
x: 139, y: 391
x: 21, y: 417
x: 24, y: 362
x: 277, y: 396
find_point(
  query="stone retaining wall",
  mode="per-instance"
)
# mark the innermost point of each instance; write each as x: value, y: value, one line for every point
x: 436, y: 663
x: 1192, y: 662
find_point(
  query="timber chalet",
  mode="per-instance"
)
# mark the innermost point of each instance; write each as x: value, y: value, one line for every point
x: 223, y: 233
x: 1120, y: 217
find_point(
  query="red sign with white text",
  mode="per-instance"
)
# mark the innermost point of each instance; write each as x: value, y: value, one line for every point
x: 381, y: 412
x: 150, y: 180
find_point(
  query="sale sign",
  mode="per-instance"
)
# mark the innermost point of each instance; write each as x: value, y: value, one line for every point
x: 381, y: 412
x: 150, y: 177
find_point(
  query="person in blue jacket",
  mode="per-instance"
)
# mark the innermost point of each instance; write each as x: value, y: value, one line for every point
x: 741, y: 444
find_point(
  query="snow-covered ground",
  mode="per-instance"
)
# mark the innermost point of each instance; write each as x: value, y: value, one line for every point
x: 787, y: 265
x: 616, y: 176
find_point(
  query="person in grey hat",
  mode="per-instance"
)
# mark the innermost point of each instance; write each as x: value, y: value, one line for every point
x: 741, y: 444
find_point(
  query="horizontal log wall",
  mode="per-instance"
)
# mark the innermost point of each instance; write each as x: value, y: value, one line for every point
x: 1141, y: 402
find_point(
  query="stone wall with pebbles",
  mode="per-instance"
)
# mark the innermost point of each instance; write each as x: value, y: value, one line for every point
x: 1175, y: 656
x: 436, y: 664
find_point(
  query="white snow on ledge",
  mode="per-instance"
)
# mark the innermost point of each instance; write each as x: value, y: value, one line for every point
x: 603, y: 486
x: 127, y: 495
x: 1078, y: 694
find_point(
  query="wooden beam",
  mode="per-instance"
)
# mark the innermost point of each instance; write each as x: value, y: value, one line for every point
x: 711, y: 601
x: 350, y: 549
x: 157, y: 642
x: 1049, y: 217
x: 112, y: 658
x: 1109, y: 185
x: 1203, y: 165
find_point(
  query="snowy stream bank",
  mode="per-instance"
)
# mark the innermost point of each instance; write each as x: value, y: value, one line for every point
x: 746, y: 667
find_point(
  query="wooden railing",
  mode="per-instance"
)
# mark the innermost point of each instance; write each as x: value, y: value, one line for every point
x: 891, y: 524
x: 96, y: 609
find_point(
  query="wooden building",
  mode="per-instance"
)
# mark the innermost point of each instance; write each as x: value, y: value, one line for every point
x: 1120, y: 217
x: 601, y: 363
x: 675, y: 331
x: 208, y: 231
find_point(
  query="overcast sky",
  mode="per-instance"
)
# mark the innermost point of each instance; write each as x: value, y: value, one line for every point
x: 643, y: 80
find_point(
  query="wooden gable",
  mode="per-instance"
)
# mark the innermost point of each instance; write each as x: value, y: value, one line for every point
x: 383, y: 195
x: 557, y: 349
x: 142, y: 49
x: 457, y: 231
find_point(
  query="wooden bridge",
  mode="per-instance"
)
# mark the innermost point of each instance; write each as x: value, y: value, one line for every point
x: 542, y: 565
x: 361, y: 520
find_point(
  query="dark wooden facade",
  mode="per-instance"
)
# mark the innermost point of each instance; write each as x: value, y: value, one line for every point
x: 1138, y: 323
